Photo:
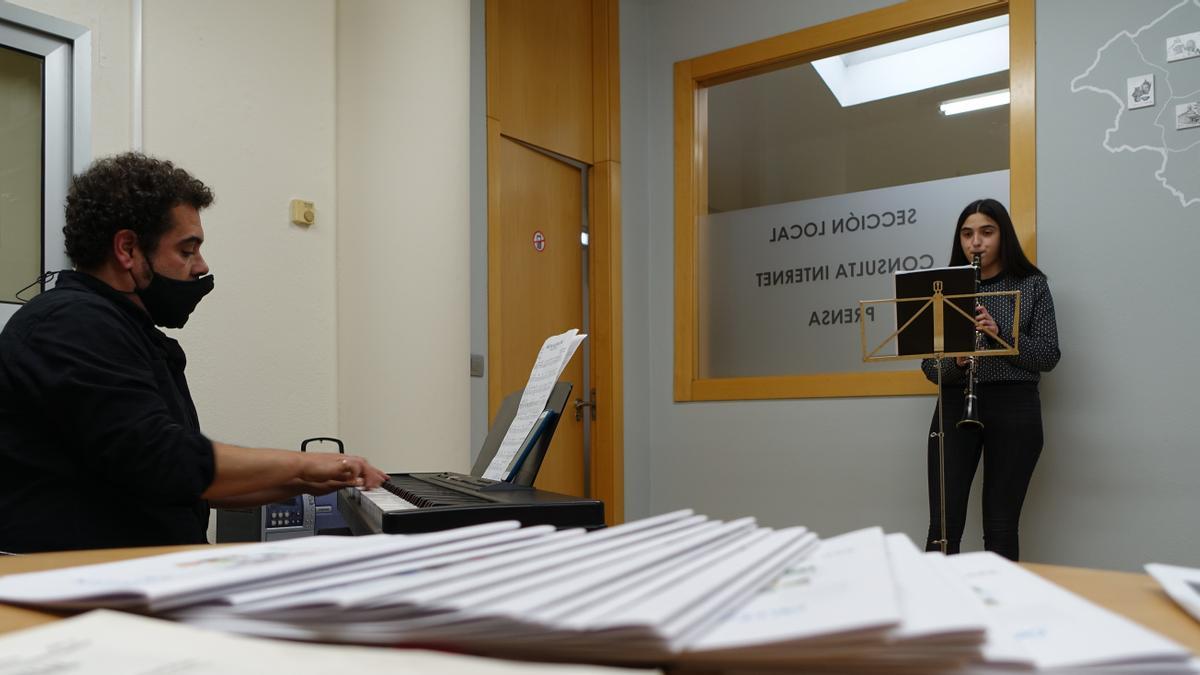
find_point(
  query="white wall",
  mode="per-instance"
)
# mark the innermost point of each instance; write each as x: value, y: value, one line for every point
x: 403, y: 245
x: 262, y: 349
x: 1116, y: 485
x: 360, y: 107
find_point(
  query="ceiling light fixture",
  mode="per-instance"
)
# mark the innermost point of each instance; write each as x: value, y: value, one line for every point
x: 977, y: 102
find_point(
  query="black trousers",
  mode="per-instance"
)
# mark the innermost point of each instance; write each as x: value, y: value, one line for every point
x: 1010, y: 444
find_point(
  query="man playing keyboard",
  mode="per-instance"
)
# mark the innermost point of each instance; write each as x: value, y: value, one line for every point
x: 100, y: 444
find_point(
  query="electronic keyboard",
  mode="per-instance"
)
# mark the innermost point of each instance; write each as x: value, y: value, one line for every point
x: 426, y: 502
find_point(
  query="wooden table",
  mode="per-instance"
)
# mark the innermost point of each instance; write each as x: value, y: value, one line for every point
x: 16, y: 618
x: 1135, y: 596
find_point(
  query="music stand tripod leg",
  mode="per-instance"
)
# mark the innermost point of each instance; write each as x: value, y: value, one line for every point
x: 942, y: 543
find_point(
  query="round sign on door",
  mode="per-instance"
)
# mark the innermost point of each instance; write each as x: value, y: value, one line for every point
x: 539, y: 241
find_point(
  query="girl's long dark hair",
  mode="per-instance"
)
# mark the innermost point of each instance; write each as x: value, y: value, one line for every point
x: 1012, y: 258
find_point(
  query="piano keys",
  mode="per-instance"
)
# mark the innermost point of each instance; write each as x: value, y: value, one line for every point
x: 409, y: 503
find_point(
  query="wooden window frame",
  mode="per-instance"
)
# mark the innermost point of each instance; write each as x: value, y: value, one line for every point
x: 693, y: 76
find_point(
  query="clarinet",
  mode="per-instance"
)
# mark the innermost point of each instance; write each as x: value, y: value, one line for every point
x: 970, y: 418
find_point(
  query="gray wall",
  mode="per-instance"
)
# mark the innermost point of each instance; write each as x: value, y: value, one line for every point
x: 635, y: 258
x: 479, y: 263
x: 1116, y: 484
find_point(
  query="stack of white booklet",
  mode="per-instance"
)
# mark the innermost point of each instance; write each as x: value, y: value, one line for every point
x: 1181, y: 583
x: 862, y: 601
x: 678, y: 589
x: 644, y: 587
x: 1038, y: 626
x: 102, y: 642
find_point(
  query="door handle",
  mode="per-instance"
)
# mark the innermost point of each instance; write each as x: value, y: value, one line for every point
x: 580, y: 404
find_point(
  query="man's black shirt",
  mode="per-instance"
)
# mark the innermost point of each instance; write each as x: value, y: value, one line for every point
x: 100, y: 445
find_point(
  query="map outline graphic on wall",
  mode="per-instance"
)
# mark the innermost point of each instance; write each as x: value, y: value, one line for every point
x: 1141, y: 130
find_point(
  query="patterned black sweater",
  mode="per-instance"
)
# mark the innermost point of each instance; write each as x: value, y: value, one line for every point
x: 1039, y: 334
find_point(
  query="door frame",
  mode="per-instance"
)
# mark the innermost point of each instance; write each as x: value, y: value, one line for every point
x: 606, y: 473
x: 66, y: 52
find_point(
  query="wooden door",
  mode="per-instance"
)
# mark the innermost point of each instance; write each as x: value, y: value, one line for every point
x: 541, y: 287
x: 553, y: 84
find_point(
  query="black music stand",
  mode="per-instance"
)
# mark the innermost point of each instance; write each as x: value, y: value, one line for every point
x: 917, y: 326
x: 925, y: 329
x: 504, y: 418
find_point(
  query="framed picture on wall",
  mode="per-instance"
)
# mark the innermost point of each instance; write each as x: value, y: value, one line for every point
x: 1139, y: 91
x: 1182, y: 47
x: 1187, y: 115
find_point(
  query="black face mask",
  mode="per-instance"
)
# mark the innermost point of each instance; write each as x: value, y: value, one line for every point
x: 170, y: 302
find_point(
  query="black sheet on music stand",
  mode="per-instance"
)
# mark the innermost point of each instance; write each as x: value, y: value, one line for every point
x: 958, y: 332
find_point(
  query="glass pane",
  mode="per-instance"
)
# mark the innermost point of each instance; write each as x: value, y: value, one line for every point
x: 817, y: 196
x: 20, y: 172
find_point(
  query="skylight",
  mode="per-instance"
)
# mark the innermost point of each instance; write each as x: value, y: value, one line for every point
x: 916, y: 63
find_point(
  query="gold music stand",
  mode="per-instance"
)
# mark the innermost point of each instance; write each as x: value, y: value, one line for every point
x: 933, y: 311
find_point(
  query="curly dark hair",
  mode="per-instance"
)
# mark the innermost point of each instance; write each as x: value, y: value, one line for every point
x: 127, y: 191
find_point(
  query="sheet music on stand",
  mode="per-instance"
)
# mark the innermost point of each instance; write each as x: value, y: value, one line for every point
x: 552, y: 359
